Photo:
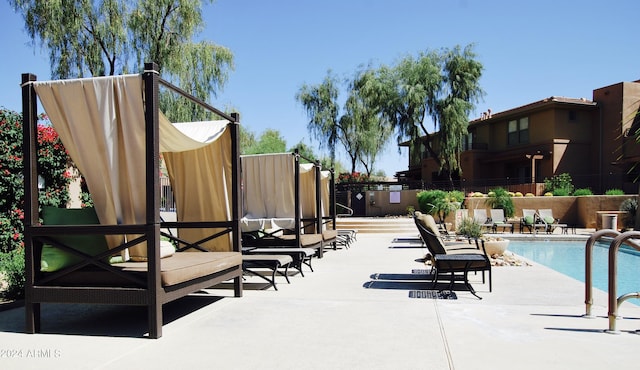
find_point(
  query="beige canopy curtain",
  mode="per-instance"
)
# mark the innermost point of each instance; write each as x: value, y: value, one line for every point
x: 307, y: 190
x: 201, y: 180
x: 268, y: 182
x: 325, y: 192
x: 101, y: 123
x: 268, y: 186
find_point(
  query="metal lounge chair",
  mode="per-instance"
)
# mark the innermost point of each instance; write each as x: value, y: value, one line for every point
x: 545, y: 215
x: 448, y: 260
x: 499, y: 220
x: 481, y: 217
x: 273, y: 262
x: 530, y: 220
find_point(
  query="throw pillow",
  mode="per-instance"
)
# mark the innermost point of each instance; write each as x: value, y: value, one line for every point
x: 54, y: 258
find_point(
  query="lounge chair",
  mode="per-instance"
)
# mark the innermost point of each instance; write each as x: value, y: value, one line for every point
x: 330, y: 238
x: 551, y: 223
x: 300, y: 256
x: 481, y: 217
x: 272, y: 262
x: 345, y: 237
x: 530, y: 220
x: 440, y: 227
x: 450, y: 259
x: 499, y: 220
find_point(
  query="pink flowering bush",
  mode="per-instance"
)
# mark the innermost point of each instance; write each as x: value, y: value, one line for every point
x: 347, y: 177
x: 53, y: 165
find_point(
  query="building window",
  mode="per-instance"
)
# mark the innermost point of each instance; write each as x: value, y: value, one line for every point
x: 573, y: 115
x: 518, y: 131
x: 468, y: 141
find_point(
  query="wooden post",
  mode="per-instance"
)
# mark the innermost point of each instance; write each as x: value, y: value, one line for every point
x: 30, y: 173
x: 297, y: 215
x: 152, y: 179
x: 332, y: 198
x: 318, y: 173
x: 236, y: 204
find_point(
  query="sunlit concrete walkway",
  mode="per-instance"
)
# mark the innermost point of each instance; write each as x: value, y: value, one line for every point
x: 354, y: 312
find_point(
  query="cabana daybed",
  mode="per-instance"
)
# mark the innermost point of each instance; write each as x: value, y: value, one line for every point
x: 115, y: 134
x: 274, y: 207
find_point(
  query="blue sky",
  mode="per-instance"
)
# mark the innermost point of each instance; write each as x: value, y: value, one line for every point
x: 530, y: 50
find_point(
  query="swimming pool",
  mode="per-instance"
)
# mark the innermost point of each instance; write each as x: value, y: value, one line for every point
x: 567, y: 257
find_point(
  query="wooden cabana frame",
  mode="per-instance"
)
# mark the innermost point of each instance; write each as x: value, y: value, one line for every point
x: 121, y: 287
x: 304, y: 231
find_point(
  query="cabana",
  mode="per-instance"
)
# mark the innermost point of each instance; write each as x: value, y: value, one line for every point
x: 280, y: 202
x: 327, y: 195
x: 115, y: 134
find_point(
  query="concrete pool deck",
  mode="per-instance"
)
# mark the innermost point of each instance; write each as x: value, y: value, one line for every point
x: 353, y: 312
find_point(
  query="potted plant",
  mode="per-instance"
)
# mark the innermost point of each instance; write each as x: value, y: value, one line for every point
x: 470, y: 228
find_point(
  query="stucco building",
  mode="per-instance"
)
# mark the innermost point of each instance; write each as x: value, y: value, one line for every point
x: 592, y: 140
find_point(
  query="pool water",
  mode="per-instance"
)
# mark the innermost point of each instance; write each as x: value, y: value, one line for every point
x: 567, y: 257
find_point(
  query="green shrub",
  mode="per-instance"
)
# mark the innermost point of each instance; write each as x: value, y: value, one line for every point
x: 560, y: 192
x: 12, y: 271
x: 411, y: 210
x: 456, y: 196
x: 561, y: 181
x: 427, y: 200
x: 501, y: 198
x: 581, y: 192
x: 614, y: 192
x: 439, y: 203
x: 470, y: 228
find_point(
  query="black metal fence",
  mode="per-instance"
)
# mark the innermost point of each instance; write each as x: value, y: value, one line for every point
x: 597, y: 184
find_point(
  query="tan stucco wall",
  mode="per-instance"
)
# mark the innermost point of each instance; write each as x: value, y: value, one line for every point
x: 382, y: 206
x: 588, y: 206
x: 575, y: 211
x: 578, y: 211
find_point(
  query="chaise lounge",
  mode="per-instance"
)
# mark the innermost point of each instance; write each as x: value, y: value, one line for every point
x: 453, y: 258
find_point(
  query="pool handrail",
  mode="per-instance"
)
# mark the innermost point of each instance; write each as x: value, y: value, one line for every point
x: 614, y: 301
x: 588, y: 266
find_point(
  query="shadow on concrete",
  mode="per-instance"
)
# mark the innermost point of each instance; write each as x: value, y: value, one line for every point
x: 413, y: 281
x: 102, y: 320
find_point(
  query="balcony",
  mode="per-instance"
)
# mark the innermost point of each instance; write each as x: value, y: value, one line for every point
x: 476, y: 146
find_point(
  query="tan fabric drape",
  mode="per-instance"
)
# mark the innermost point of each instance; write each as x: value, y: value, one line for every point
x: 268, y: 185
x: 268, y: 182
x: 201, y: 180
x: 307, y: 190
x: 101, y: 123
x: 325, y: 192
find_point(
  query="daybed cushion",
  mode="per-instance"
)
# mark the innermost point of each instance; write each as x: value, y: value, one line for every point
x: 306, y: 240
x: 329, y: 235
x: 185, y: 266
x: 53, y: 258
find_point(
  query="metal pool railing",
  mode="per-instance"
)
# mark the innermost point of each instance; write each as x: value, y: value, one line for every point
x: 588, y: 268
x: 629, y: 238
x: 615, y: 301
